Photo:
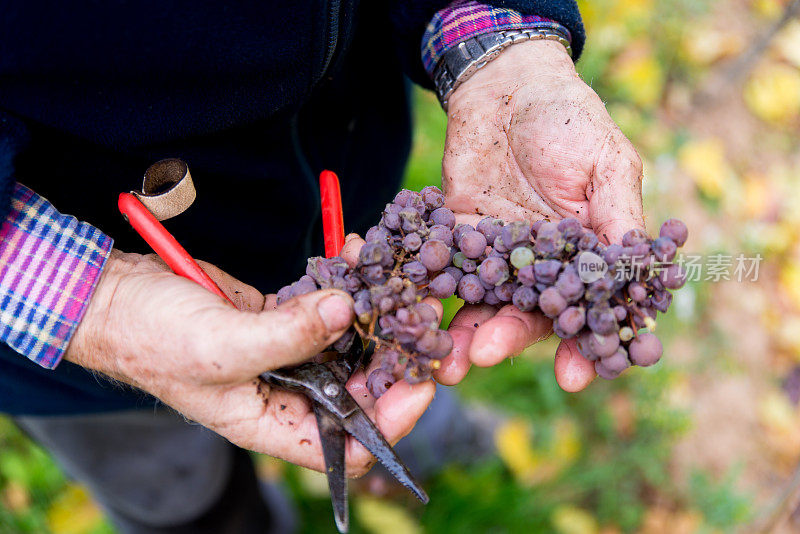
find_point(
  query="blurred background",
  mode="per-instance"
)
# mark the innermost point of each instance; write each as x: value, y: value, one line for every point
x: 706, y: 441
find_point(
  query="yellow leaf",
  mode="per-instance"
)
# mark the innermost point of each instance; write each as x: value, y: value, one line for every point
x: 567, y: 443
x: 704, y: 161
x: 756, y: 196
x: 787, y: 43
x: 568, y: 519
x: 702, y: 45
x: 73, y: 512
x: 768, y: 8
x: 659, y: 520
x: 384, y: 517
x: 637, y: 74
x: 773, y: 93
x: 790, y: 282
x: 513, y: 441
x: 15, y: 497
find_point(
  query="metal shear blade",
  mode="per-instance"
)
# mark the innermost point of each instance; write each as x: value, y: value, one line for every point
x: 337, y: 415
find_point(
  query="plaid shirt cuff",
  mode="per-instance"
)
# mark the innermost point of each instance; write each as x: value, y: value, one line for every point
x: 464, y: 19
x: 49, y: 266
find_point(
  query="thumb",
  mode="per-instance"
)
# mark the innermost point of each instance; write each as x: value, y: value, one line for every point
x: 291, y: 333
x: 615, y: 189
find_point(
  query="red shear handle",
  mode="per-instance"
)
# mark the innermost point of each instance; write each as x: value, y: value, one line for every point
x: 332, y: 216
x: 166, y: 246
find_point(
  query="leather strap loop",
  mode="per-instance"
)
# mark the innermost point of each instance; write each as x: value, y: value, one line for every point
x: 167, y: 189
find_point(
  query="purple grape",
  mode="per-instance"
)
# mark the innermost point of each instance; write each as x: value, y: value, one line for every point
x: 374, y: 253
x: 570, y: 228
x: 444, y: 345
x: 455, y: 272
x: 417, y: 372
x: 460, y: 230
x: 432, y: 197
x: 637, y: 292
x: 551, y: 302
x: 612, y: 254
x: 601, y: 320
x: 363, y: 310
x: 441, y: 233
x: 620, y: 313
x: 494, y: 271
x: 618, y: 361
x: 549, y: 241
x: 526, y: 276
x: 585, y: 347
x: 535, y: 227
x: 634, y: 237
x: 444, y: 217
x: 516, y: 233
x: 490, y: 298
x: 491, y: 228
x: 411, y: 220
x: 603, y: 345
x: 661, y: 300
x: 470, y: 289
x: 391, y: 221
x: 674, y: 230
x: 472, y: 243
x: 415, y: 271
x: 600, y: 290
x: 645, y: 349
x: 498, y: 245
x: 379, y: 381
x: 505, y: 291
x: 570, y: 285
x: 673, y: 277
x: 524, y: 298
x: 434, y: 255
x: 571, y: 320
x: 587, y: 241
x: 373, y: 274
x: 664, y: 249
x: 546, y: 271
x: 412, y: 242
x: 403, y: 197
x: 443, y: 286
x: 469, y: 266
x: 603, y: 371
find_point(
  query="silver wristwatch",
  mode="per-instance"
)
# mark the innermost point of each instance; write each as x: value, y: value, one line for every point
x: 459, y: 63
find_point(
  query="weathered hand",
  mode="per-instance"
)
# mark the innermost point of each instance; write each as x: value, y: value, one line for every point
x: 527, y: 139
x: 170, y: 337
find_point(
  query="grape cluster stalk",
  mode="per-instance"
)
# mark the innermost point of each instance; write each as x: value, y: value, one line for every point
x: 606, y: 296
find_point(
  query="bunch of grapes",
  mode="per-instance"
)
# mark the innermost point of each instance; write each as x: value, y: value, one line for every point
x: 606, y: 296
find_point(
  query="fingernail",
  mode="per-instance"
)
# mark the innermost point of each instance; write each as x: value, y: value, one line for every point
x: 336, y: 312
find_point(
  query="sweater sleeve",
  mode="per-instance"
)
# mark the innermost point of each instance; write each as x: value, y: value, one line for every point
x: 410, y: 20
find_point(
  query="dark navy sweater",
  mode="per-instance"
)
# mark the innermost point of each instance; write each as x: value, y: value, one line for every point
x: 257, y: 97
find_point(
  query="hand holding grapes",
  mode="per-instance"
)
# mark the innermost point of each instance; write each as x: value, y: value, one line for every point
x: 172, y: 338
x: 527, y: 140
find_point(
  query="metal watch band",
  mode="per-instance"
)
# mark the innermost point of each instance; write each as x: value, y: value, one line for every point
x: 459, y: 63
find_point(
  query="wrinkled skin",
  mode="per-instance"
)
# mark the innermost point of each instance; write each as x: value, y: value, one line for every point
x: 150, y: 328
x: 528, y: 139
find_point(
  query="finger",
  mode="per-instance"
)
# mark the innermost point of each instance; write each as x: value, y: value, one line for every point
x: 506, y: 334
x: 351, y: 248
x: 573, y: 371
x: 357, y: 386
x: 615, y: 189
x: 270, y: 301
x: 454, y: 366
x: 245, y: 297
x: 243, y: 346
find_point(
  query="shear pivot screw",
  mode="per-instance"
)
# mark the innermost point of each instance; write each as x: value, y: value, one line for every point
x: 331, y: 389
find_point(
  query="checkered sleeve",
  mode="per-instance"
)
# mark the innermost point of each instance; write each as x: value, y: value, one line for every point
x: 49, y: 266
x: 464, y: 19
